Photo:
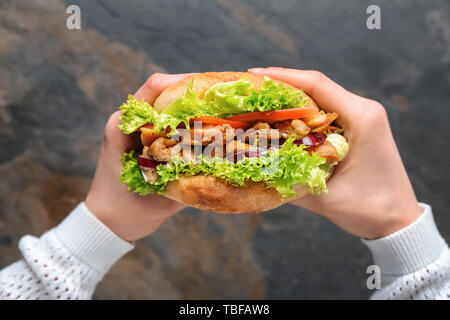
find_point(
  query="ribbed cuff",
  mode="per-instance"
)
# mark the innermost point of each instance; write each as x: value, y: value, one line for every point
x: 90, y: 240
x: 408, y: 249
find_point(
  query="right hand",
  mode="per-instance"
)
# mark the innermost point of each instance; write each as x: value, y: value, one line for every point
x: 127, y: 214
x: 369, y: 194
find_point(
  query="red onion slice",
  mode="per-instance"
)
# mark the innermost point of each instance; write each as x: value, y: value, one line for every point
x: 312, y: 139
x: 147, y: 163
x: 252, y: 153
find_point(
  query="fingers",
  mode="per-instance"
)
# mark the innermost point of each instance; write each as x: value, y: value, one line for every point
x: 114, y: 141
x: 328, y: 94
x: 156, y: 84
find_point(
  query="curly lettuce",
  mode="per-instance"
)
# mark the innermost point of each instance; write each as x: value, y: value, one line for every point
x: 135, y: 114
x: 280, y: 169
x: 273, y: 96
x: 221, y: 100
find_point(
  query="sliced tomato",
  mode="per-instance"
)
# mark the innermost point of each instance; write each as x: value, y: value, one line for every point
x: 218, y: 121
x: 276, y: 115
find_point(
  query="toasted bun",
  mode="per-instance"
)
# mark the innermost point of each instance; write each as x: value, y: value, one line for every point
x: 215, y: 194
x: 208, y: 192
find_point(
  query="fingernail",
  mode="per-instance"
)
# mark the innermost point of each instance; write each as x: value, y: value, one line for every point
x: 256, y: 70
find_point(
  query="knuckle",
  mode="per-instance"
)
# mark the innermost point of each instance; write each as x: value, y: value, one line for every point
x: 276, y: 68
x: 154, y: 81
x: 318, y: 77
x: 376, y: 113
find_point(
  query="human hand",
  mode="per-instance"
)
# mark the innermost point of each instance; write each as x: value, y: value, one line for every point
x: 369, y: 194
x: 127, y: 214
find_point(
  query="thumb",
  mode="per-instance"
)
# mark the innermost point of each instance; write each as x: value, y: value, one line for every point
x: 115, y: 142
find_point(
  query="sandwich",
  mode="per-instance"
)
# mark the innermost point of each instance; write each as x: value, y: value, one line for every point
x: 231, y: 142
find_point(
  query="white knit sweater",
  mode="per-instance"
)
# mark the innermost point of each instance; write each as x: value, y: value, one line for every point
x: 68, y: 261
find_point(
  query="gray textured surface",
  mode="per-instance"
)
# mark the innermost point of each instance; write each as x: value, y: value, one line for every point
x: 57, y: 88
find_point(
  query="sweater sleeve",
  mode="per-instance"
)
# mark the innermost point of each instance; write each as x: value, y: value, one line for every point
x: 414, y: 262
x: 66, y: 262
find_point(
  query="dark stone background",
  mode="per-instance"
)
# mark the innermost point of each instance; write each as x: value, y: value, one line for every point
x: 57, y: 88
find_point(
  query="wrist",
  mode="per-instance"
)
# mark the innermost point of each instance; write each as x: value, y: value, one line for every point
x: 90, y: 240
x: 129, y: 230
x: 410, y: 248
x: 132, y: 220
x: 106, y: 215
x: 395, y: 216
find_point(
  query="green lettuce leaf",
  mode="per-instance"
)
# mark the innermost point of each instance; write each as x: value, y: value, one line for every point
x: 228, y: 98
x: 221, y: 100
x: 135, y: 114
x: 131, y: 175
x: 273, y: 96
x: 281, y: 169
x: 183, y: 109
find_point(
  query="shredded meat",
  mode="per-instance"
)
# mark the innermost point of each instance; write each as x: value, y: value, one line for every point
x: 237, y: 146
x: 321, y: 121
x: 188, y: 155
x: 327, y: 151
x: 218, y: 140
x: 215, y: 150
x: 150, y: 175
x: 264, y: 132
x: 261, y: 126
x: 209, y: 133
x: 164, y: 149
x: 148, y: 135
x: 292, y: 128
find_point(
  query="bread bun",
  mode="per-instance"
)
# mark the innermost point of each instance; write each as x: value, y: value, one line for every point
x: 209, y: 192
